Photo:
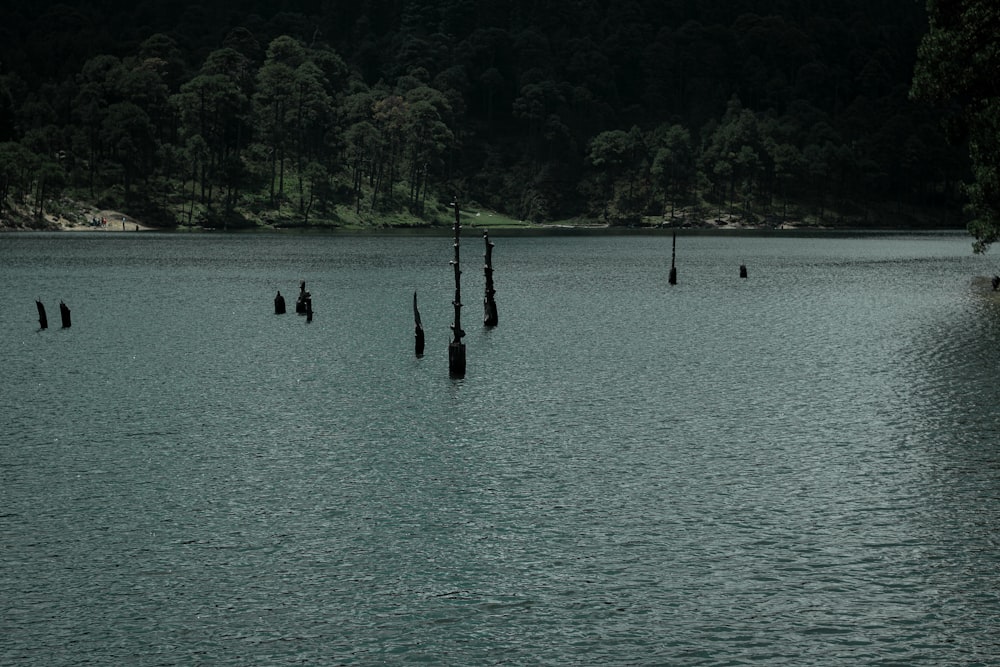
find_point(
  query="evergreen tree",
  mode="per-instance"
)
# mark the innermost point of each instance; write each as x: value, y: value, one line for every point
x: 958, y: 63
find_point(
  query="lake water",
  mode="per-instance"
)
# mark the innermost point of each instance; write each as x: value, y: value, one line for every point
x: 800, y: 468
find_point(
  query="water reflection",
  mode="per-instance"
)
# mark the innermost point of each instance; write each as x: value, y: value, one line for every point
x: 952, y: 428
x: 952, y: 370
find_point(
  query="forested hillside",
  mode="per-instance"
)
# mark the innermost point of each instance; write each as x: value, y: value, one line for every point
x: 379, y: 111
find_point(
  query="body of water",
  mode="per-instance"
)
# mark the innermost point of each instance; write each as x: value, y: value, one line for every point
x: 799, y: 468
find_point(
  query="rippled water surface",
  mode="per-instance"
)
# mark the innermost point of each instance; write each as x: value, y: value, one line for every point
x: 801, y: 468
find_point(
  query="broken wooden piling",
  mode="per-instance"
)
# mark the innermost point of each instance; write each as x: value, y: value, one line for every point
x: 673, y: 257
x: 300, y: 303
x: 43, y: 321
x: 279, y: 304
x: 456, y: 349
x: 490, y: 318
x: 418, y: 330
x: 304, y: 304
x: 64, y: 314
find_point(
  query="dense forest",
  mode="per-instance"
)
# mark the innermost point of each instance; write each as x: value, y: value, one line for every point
x: 376, y: 112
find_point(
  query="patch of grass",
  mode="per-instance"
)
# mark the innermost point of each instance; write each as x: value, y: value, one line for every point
x: 487, y: 219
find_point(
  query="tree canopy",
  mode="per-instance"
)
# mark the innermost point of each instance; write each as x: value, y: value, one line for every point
x: 958, y: 67
x: 626, y: 111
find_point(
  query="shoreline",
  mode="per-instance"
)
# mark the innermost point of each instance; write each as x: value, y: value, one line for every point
x: 119, y: 222
x: 116, y: 222
x: 132, y: 226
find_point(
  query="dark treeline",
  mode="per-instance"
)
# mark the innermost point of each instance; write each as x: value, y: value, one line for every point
x: 620, y: 110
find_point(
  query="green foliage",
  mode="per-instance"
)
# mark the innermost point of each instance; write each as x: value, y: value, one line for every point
x: 958, y: 61
x: 631, y: 111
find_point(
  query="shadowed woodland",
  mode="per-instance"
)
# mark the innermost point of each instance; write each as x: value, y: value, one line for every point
x: 380, y: 112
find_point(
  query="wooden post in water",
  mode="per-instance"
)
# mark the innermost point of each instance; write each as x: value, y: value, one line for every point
x: 279, y: 304
x: 456, y: 349
x: 418, y: 330
x: 43, y: 321
x: 300, y: 303
x: 64, y: 314
x: 304, y: 304
x: 673, y: 268
x: 490, y: 318
x: 743, y: 270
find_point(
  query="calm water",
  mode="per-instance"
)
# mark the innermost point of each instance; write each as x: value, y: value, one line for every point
x: 802, y: 468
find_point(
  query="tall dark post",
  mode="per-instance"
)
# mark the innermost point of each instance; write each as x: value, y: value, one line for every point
x: 673, y: 257
x: 743, y: 270
x: 456, y: 349
x: 490, y: 318
x: 43, y: 321
x: 418, y: 330
x: 64, y: 314
x: 279, y: 304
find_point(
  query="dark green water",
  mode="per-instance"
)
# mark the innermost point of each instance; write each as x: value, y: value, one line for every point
x: 801, y: 468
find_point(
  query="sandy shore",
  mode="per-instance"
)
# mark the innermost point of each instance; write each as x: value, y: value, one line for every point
x: 116, y: 221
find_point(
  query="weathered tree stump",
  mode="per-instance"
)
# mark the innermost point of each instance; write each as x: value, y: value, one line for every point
x: 300, y: 303
x: 64, y: 314
x: 456, y: 349
x: 490, y: 318
x: 418, y: 330
x: 279, y: 304
x: 672, y: 279
x: 304, y: 304
x: 456, y: 359
x: 43, y: 321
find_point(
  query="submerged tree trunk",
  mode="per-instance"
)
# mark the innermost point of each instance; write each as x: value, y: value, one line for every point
x: 490, y: 318
x: 456, y: 349
x: 64, y: 314
x: 673, y: 265
x: 418, y: 330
